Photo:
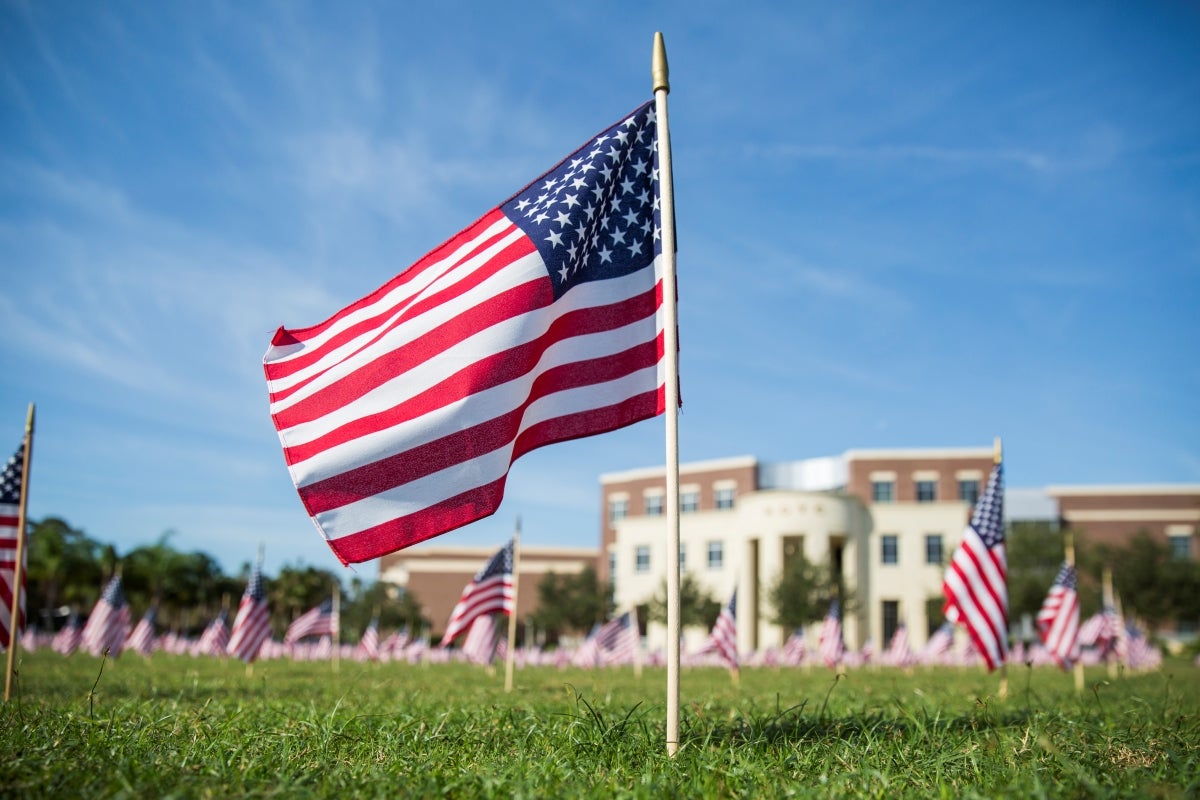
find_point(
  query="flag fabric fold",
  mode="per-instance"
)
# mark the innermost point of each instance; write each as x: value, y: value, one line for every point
x: 1058, y: 619
x: 107, y: 626
x: 11, y: 479
x: 975, y: 584
x: 401, y: 415
x: 489, y: 592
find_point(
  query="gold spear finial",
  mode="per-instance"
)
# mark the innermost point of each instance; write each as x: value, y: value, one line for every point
x: 658, y: 64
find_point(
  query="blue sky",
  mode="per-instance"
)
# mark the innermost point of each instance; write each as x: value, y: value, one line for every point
x: 916, y: 226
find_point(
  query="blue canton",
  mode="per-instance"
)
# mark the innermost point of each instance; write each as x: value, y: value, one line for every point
x: 1066, y: 577
x: 988, y: 519
x: 114, y: 594
x: 596, y: 215
x: 10, y: 479
x: 500, y: 564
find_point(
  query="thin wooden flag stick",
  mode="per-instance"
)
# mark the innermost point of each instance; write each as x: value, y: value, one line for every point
x: 18, y: 593
x: 671, y: 361
x: 510, y: 656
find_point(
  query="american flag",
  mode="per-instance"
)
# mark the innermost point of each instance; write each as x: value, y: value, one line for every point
x: 830, y: 647
x: 67, y: 639
x: 939, y: 643
x: 401, y: 415
x: 794, y: 649
x: 395, y: 643
x: 141, y: 641
x: 722, y: 640
x: 252, y: 625
x: 1100, y: 629
x: 368, y: 645
x: 317, y: 621
x: 899, y: 654
x: 108, y: 625
x: 480, y: 645
x: 975, y: 585
x: 489, y: 592
x: 215, y: 638
x: 588, y: 654
x: 618, y: 639
x: 10, y: 509
x: 1058, y: 619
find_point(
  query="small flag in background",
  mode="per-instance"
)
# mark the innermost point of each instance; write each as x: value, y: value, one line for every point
x: 794, y: 649
x: 10, y: 508
x: 401, y: 415
x: 480, y: 645
x: 215, y: 638
x: 141, y: 641
x: 899, y: 654
x: 975, y: 585
x: 830, y: 646
x: 252, y: 625
x: 1058, y: 619
x: 618, y: 639
x: 67, y: 639
x: 317, y: 621
x: 368, y: 645
x: 489, y: 592
x: 108, y: 625
x: 723, y: 638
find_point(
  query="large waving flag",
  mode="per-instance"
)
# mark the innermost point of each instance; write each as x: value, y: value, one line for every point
x: 401, y: 415
x: 252, y: 625
x: 1058, y: 619
x: 975, y: 585
x: 10, y: 505
x: 489, y: 592
x: 107, y: 626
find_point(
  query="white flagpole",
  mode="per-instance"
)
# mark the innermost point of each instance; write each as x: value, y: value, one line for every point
x: 19, y: 567
x: 510, y: 656
x: 671, y: 343
x: 337, y: 627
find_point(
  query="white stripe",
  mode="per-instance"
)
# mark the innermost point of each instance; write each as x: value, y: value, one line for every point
x: 397, y: 296
x: 431, y: 489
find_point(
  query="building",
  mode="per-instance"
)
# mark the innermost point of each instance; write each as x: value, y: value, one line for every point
x: 436, y: 575
x: 883, y: 521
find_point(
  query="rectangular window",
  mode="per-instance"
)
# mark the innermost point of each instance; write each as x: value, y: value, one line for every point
x: 654, y: 505
x: 1181, y: 546
x: 926, y: 491
x: 641, y: 558
x: 612, y: 567
x: 890, y: 620
x: 889, y: 552
x: 617, y: 509
x: 725, y: 497
x: 933, y: 549
x: 968, y: 491
x: 689, y: 501
x: 883, y: 491
x: 716, y: 555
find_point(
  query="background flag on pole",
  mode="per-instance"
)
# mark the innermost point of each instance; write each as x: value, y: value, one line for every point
x: 107, y: 626
x: 215, y: 638
x: 141, y: 641
x: 368, y: 645
x: 722, y: 640
x: 975, y: 585
x: 317, y: 621
x: 1058, y: 619
x: 830, y: 646
x: 480, y: 645
x: 10, y: 503
x: 252, y: 625
x: 489, y: 592
x: 401, y: 415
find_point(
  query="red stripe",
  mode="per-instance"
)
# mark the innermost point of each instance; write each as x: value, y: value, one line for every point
x: 433, y: 256
x: 499, y: 368
x: 379, y: 323
x: 477, y: 503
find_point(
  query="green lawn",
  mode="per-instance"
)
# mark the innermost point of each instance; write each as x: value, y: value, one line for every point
x: 174, y: 726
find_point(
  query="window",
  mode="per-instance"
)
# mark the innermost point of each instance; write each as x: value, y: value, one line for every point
x: 654, y: 505
x: 926, y: 491
x: 641, y: 558
x: 617, y: 509
x: 889, y: 549
x: 716, y: 555
x: 725, y: 497
x: 968, y: 491
x: 933, y: 549
x: 612, y: 567
x: 689, y: 501
x: 682, y: 554
x: 890, y: 619
x: 883, y: 491
x: 1181, y: 546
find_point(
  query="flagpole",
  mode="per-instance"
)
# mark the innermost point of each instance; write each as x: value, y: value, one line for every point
x: 510, y: 656
x: 337, y: 627
x: 1069, y: 549
x: 998, y: 459
x: 1107, y: 599
x: 662, y: 87
x: 637, y: 650
x: 19, y: 567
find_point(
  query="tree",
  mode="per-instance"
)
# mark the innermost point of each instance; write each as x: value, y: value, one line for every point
x: 697, y: 608
x: 802, y: 592
x: 296, y: 590
x: 63, y: 567
x: 1153, y: 585
x: 1034, y: 552
x: 572, y: 602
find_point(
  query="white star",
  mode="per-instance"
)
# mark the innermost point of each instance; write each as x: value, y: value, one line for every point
x: 627, y: 186
x: 571, y: 200
x: 542, y: 217
x: 555, y: 238
x: 521, y: 206
x: 602, y: 139
x: 578, y: 183
x: 618, y: 235
x: 562, y: 218
x: 562, y: 273
x: 605, y: 255
x: 630, y: 218
x: 549, y: 184
x: 639, y: 166
x: 623, y: 136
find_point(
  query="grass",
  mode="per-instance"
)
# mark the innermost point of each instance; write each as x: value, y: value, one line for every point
x: 174, y: 726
